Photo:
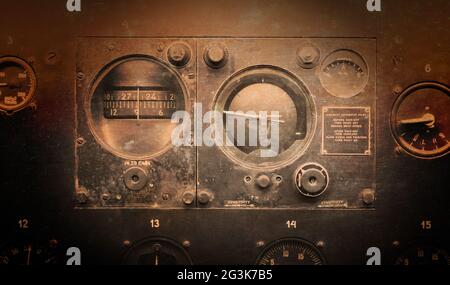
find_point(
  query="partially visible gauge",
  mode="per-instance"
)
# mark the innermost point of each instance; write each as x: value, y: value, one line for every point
x: 420, y: 120
x: 17, y: 84
x: 157, y: 251
x: 272, y: 90
x: 424, y: 255
x: 31, y: 253
x: 291, y: 251
x: 344, y: 73
x: 131, y: 104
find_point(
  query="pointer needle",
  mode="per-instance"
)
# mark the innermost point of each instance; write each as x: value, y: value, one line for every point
x: 427, y: 119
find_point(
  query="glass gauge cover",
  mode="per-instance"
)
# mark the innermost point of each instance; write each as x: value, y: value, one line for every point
x: 420, y: 120
x: 291, y: 251
x: 344, y: 73
x: 131, y: 105
x: 267, y: 89
x: 17, y: 84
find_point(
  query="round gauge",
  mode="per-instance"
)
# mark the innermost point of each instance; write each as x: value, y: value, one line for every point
x: 269, y: 90
x: 130, y: 108
x: 157, y: 251
x: 291, y: 251
x: 31, y: 253
x: 344, y: 74
x: 424, y: 255
x: 17, y: 84
x: 420, y: 120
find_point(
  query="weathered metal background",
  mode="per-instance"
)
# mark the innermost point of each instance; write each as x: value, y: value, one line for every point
x: 38, y: 152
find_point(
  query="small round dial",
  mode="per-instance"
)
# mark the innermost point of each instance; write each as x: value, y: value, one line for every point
x: 291, y: 251
x: 157, y: 251
x: 420, y: 121
x: 17, y: 84
x: 24, y: 252
x: 344, y: 74
x: 424, y: 255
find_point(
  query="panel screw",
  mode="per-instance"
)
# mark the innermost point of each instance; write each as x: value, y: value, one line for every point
x: 165, y: 196
x: 160, y: 47
x: 204, y: 197
x: 396, y: 243
x: 82, y: 196
x: 186, y: 244
x: 320, y: 244
x: 260, y: 243
x: 397, y: 89
x: 80, y: 75
x: 368, y: 196
x: 126, y: 243
x: 106, y: 196
x: 80, y: 141
x: 188, y: 198
x: 51, y: 58
x: 53, y: 243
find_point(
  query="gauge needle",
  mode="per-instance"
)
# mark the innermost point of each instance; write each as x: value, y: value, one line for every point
x: 29, y: 255
x: 427, y: 119
x: 252, y: 116
x: 138, y: 104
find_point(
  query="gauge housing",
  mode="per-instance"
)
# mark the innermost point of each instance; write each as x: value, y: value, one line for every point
x: 427, y: 103
x: 127, y: 91
x: 263, y: 82
x: 20, y: 85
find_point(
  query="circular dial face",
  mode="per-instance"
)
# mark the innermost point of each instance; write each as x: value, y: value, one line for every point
x: 344, y: 74
x: 252, y: 102
x: 130, y: 109
x: 17, y: 84
x: 291, y: 252
x: 31, y: 253
x: 420, y: 120
x: 424, y: 255
x: 157, y: 251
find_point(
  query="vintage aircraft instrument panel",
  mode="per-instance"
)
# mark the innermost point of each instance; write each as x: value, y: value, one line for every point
x: 362, y: 115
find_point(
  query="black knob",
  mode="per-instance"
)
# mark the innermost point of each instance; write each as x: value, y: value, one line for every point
x: 135, y: 178
x: 311, y: 180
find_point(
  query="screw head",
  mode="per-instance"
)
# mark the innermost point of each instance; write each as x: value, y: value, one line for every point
x: 260, y: 243
x: 368, y: 196
x: 82, y: 196
x: 204, y: 197
x: 397, y: 89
